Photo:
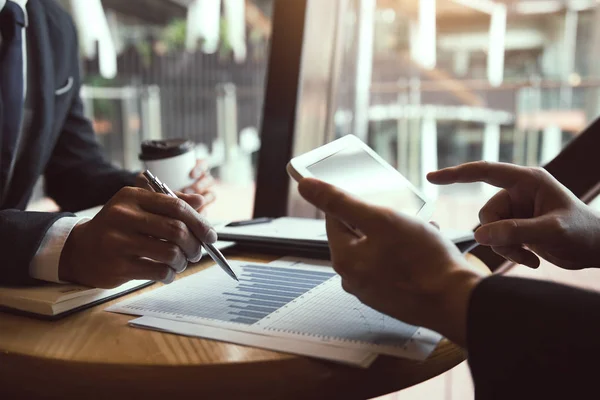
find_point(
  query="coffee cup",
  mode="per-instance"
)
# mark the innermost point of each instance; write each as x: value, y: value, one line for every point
x: 170, y: 160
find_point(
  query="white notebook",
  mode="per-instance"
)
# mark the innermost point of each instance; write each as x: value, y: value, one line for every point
x: 51, y: 300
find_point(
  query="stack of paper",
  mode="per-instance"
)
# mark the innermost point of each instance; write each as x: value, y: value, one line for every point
x: 290, y: 306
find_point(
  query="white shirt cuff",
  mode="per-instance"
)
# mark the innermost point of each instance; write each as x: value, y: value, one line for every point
x: 44, y: 265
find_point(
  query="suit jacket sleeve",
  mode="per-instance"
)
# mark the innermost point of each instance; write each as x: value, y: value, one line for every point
x: 533, y: 339
x: 21, y: 233
x: 78, y: 176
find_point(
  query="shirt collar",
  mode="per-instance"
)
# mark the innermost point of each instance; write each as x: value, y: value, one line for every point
x: 22, y: 3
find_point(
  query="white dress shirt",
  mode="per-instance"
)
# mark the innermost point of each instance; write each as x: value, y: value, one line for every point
x: 44, y: 265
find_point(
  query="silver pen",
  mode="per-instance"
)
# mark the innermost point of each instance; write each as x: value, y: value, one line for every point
x: 212, y: 251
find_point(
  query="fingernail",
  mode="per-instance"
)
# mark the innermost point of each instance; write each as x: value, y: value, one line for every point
x: 188, y: 191
x: 197, y: 258
x: 211, y: 236
x: 483, y: 235
x: 209, y: 197
x: 182, y: 267
x: 197, y: 172
x: 170, y: 277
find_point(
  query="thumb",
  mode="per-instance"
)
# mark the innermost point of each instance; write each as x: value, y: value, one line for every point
x: 341, y: 205
x: 510, y: 232
x: 194, y: 200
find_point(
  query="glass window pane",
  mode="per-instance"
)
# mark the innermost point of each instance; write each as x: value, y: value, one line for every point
x: 195, y: 73
x: 450, y: 83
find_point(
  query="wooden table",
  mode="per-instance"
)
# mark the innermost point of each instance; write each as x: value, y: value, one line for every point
x: 95, y: 354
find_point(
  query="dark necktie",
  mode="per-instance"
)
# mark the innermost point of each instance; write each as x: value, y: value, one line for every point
x: 12, y: 21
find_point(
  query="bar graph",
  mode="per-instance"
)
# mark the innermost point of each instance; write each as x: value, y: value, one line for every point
x: 300, y: 303
x: 212, y: 295
x: 263, y: 290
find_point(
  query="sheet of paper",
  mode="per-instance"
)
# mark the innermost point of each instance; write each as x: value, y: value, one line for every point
x: 303, y: 302
x: 290, y: 261
x: 337, y: 354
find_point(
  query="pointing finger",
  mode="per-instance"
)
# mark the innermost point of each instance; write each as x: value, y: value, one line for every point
x: 497, y: 174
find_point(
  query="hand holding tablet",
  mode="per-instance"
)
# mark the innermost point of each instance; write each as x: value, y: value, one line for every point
x: 354, y: 167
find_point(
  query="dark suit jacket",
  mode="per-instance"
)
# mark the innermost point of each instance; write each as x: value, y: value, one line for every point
x: 61, y: 145
x: 533, y: 340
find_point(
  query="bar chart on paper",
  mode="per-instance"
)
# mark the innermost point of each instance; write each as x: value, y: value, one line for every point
x: 263, y: 290
x: 210, y: 295
x: 303, y: 302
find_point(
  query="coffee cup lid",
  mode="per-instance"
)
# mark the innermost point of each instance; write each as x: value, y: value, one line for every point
x: 159, y: 149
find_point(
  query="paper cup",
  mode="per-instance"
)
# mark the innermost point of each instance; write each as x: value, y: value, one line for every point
x: 171, y: 161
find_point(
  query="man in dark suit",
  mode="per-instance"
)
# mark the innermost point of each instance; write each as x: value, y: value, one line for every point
x: 525, y: 338
x: 44, y: 132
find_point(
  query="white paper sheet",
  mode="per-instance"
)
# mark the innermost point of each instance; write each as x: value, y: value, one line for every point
x: 352, y: 357
x: 290, y: 261
x: 303, y: 302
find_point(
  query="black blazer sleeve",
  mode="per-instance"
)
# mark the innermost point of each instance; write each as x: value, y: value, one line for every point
x: 533, y: 339
x: 78, y: 176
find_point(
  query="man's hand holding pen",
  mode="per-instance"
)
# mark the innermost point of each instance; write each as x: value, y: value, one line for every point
x: 137, y: 235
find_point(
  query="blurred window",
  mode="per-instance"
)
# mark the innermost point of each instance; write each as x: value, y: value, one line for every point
x: 177, y: 81
x: 432, y: 84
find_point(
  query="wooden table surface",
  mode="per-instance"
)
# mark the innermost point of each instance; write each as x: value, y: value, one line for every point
x: 95, y: 354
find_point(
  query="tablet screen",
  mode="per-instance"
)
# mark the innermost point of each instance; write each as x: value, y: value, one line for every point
x: 355, y: 171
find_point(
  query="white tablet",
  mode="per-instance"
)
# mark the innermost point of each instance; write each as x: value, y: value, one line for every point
x: 351, y: 165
